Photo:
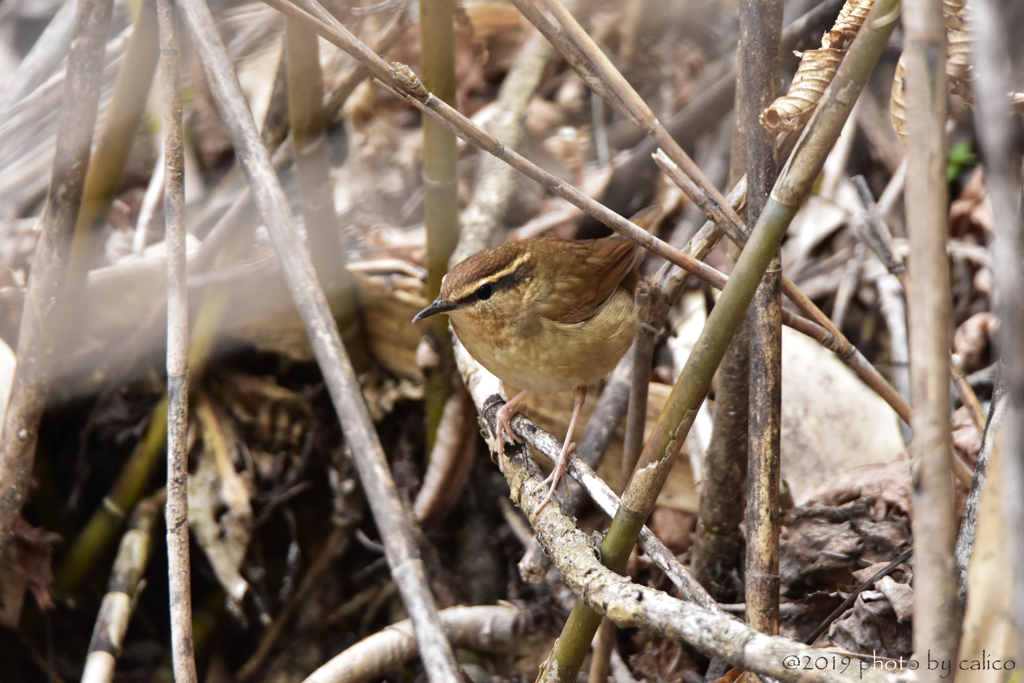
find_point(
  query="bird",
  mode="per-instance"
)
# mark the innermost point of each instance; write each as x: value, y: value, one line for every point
x: 546, y: 315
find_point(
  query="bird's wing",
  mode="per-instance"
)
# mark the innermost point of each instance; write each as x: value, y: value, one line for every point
x: 608, y: 263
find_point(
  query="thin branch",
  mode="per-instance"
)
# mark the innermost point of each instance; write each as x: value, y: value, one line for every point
x: 760, y: 29
x: 1002, y: 178
x: 440, y: 193
x: 49, y: 267
x: 936, y: 617
x: 969, y: 523
x: 178, y: 564
x: 852, y: 597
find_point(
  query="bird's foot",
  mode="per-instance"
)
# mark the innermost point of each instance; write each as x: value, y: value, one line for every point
x: 557, y: 475
x: 504, y: 420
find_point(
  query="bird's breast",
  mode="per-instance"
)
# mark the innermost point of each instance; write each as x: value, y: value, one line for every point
x: 535, y: 353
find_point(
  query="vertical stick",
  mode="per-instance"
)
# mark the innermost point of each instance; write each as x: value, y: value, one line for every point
x: 716, y: 546
x: 1002, y: 178
x: 760, y: 34
x: 179, y: 579
x: 936, y: 621
x: 440, y: 200
x: 49, y: 266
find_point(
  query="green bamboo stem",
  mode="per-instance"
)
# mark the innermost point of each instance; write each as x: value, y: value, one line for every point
x: 104, y: 524
x: 440, y: 200
x: 795, y: 183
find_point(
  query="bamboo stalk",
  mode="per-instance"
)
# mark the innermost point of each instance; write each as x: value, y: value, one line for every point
x: 440, y: 192
x: 35, y: 341
x: 400, y: 545
x: 122, y: 592
x: 1002, y: 179
x: 760, y: 31
x: 178, y: 564
x: 936, y: 618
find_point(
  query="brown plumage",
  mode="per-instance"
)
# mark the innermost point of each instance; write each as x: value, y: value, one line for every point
x: 545, y: 314
x: 551, y: 333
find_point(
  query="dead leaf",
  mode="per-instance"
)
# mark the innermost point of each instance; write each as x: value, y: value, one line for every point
x: 219, y: 506
x: 824, y: 410
x: 35, y: 556
x: 822, y: 546
x: 872, y: 626
x: 888, y: 486
x: 900, y: 595
x: 973, y: 341
x: 966, y: 438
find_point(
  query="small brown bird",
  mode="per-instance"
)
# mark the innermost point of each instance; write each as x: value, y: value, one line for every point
x: 547, y: 315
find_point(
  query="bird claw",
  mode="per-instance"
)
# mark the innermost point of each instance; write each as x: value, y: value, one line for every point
x: 504, y: 420
x: 557, y: 475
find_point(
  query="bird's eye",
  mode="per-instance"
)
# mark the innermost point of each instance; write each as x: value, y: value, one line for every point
x: 485, y: 292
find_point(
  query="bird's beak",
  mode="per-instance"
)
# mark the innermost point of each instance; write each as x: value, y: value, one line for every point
x: 439, y: 306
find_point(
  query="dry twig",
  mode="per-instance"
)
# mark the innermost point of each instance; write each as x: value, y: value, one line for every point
x: 178, y: 564
x: 936, y: 618
x: 37, y: 337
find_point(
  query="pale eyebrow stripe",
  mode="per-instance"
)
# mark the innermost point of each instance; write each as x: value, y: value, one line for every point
x: 494, y: 277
